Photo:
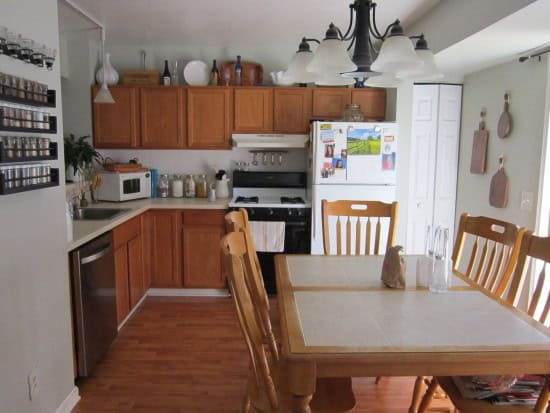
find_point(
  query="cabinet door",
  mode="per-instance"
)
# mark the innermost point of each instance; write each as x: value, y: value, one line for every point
x: 162, y: 117
x: 121, y: 283
x: 372, y: 102
x: 330, y: 103
x: 209, y: 117
x: 291, y: 110
x: 253, y: 110
x: 116, y: 124
x: 166, y: 248
x: 203, y: 261
x: 135, y: 271
x: 146, y: 249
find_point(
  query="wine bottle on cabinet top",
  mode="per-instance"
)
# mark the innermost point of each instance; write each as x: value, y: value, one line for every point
x: 166, y: 79
x: 238, y: 72
x: 214, y: 75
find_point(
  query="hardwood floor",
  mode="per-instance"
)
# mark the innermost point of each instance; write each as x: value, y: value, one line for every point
x: 187, y: 355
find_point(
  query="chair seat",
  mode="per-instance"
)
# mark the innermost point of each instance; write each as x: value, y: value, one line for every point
x: 475, y: 406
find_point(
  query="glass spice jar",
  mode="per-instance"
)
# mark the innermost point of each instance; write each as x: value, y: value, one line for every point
x: 352, y: 113
x: 164, y: 183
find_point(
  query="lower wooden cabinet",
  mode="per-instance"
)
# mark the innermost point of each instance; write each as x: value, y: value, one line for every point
x: 129, y: 286
x: 202, y: 257
x: 166, y: 248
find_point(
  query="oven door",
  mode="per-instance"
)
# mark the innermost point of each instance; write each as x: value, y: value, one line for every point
x: 297, y: 241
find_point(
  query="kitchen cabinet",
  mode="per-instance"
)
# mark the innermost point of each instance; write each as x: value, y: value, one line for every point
x: 372, y: 102
x: 163, y: 118
x: 116, y: 125
x: 202, y: 256
x: 291, y: 110
x: 433, y: 165
x: 146, y: 248
x: 253, y: 110
x: 128, y: 266
x: 329, y: 104
x: 209, y: 117
x: 165, y: 244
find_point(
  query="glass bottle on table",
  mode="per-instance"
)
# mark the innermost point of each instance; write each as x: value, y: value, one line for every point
x: 238, y: 72
x: 166, y: 78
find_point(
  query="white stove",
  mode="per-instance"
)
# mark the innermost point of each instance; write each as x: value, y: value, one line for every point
x: 269, y: 198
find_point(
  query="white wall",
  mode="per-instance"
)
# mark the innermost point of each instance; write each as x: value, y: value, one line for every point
x: 35, y: 320
x: 527, y: 83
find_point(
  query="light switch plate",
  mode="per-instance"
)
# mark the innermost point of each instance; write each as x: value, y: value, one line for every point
x: 526, y: 204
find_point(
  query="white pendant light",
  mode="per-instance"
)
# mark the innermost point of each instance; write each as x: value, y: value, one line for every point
x: 296, y: 72
x: 385, y: 80
x: 104, y: 94
x: 331, y: 57
x: 429, y: 70
x: 334, y: 80
x: 396, y: 54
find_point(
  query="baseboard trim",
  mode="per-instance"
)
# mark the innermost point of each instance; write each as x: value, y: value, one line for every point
x: 70, y: 402
x: 188, y: 292
x: 132, y: 312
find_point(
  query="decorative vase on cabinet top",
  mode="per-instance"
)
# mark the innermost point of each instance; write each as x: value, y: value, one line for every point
x: 111, y: 75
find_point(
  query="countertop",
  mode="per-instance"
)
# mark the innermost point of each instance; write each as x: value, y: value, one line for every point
x: 84, y: 231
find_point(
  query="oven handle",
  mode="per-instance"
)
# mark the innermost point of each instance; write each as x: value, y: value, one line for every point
x: 296, y: 224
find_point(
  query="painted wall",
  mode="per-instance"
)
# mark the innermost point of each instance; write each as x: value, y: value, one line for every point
x: 35, y: 321
x: 527, y: 83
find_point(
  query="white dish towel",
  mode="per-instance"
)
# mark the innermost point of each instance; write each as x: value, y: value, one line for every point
x: 268, y: 236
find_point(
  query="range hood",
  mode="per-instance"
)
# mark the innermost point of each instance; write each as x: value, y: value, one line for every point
x: 245, y: 140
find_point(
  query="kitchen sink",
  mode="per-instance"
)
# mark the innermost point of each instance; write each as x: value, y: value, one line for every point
x: 96, y: 214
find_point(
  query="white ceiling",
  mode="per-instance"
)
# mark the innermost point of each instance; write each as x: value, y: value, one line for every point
x: 233, y: 23
x: 505, y: 40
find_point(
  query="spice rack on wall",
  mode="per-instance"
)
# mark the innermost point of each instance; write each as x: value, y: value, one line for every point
x: 22, y: 166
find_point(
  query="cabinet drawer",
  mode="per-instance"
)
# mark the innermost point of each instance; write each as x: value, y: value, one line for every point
x: 203, y: 217
x: 125, y: 232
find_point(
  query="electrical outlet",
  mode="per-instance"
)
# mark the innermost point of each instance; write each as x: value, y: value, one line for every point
x: 33, y: 384
x: 526, y: 201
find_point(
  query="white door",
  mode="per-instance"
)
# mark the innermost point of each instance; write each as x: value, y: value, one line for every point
x: 434, y: 162
x: 446, y: 169
x: 422, y: 165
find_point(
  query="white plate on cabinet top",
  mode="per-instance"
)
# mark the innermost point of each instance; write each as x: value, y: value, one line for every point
x: 196, y: 73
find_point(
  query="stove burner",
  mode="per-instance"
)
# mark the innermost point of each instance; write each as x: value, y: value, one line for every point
x: 247, y: 200
x: 295, y: 200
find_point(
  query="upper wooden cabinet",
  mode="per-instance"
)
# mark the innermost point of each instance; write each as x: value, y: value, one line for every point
x: 209, y: 117
x: 329, y: 104
x: 291, y: 110
x: 253, y: 109
x: 163, y: 117
x: 372, y: 102
x: 116, y: 124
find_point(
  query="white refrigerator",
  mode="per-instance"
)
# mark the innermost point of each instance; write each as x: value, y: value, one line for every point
x: 353, y: 161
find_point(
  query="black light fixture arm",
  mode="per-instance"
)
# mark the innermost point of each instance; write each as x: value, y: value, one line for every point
x: 350, y: 26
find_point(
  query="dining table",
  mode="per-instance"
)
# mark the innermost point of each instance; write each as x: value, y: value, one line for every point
x: 339, y: 320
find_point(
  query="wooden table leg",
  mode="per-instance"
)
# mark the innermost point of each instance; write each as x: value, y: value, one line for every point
x: 301, y: 383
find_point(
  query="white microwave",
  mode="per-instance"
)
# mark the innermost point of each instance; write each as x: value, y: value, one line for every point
x: 124, y: 186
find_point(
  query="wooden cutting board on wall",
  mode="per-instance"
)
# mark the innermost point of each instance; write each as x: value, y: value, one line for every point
x: 504, y: 127
x: 500, y: 187
x: 479, y: 147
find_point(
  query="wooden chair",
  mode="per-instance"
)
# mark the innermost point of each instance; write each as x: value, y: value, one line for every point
x: 238, y: 221
x: 491, y: 261
x: 373, y: 211
x: 266, y: 387
x: 530, y: 246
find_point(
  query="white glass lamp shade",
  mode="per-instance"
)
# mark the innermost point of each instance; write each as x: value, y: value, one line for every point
x: 385, y: 80
x: 104, y: 95
x: 428, y: 71
x: 396, y: 55
x: 297, y: 72
x: 331, y: 58
x: 334, y: 80
x: 108, y: 71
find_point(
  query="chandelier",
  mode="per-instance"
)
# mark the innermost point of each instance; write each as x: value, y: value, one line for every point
x: 331, y: 64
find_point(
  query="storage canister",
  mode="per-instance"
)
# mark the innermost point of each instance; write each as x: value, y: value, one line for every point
x: 177, y: 186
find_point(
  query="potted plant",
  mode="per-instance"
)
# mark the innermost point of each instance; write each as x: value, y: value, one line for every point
x: 79, y: 154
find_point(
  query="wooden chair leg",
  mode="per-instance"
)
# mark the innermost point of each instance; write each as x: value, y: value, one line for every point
x: 245, y: 406
x: 418, y: 390
x: 427, y: 399
x: 378, y: 378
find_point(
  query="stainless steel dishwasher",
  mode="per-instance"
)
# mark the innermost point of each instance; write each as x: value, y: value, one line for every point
x: 94, y: 301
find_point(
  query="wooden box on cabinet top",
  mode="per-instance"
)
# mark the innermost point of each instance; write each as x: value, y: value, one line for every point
x: 116, y: 125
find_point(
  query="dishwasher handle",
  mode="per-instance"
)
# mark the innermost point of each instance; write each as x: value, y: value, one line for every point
x: 97, y: 255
